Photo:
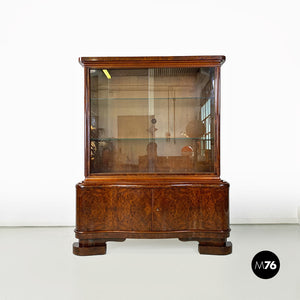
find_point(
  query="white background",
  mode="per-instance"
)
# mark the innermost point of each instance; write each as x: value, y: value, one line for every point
x: 41, y: 94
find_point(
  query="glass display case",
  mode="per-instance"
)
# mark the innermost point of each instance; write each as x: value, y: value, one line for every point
x: 152, y: 128
x: 152, y: 120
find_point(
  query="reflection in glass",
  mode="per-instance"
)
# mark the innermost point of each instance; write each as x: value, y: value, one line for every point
x: 152, y: 120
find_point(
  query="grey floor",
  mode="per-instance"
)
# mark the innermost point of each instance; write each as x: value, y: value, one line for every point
x: 37, y: 263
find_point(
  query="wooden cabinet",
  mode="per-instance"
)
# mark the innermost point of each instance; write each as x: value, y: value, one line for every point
x: 152, y: 155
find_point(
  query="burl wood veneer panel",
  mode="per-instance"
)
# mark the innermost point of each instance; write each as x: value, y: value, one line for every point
x: 113, y: 209
x: 190, y: 208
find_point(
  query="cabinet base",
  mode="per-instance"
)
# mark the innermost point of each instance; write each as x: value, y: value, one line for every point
x: 98, y: 246
x: 175, y: 207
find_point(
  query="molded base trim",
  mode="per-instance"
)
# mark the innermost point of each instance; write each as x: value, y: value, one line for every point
x: 184, y: 234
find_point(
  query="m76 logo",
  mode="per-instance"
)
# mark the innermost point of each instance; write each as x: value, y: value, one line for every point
x: 267, y: 264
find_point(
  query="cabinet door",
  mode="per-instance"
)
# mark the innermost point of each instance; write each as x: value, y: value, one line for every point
x: 114, y: 209
x: 176, y: 209
x: 190, y: 208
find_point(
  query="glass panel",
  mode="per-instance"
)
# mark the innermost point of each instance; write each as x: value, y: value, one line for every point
x: 152, y: 120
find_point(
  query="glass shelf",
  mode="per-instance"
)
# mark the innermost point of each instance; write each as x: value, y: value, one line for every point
x: 146, y: 99
x: 149, y: 139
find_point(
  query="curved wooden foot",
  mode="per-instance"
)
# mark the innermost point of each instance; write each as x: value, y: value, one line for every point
x: 211, y: 246
x: 92, y: 247
x: 215, y: 250
x: 89, y: 250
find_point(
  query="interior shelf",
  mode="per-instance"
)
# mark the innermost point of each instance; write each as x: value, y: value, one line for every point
x: 146, y: 99
x: 148, y: 139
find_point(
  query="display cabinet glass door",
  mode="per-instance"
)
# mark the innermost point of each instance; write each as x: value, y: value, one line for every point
x: 157, y: 120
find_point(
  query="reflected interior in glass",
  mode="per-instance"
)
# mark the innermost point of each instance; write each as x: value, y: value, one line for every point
x: 157, y: 120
